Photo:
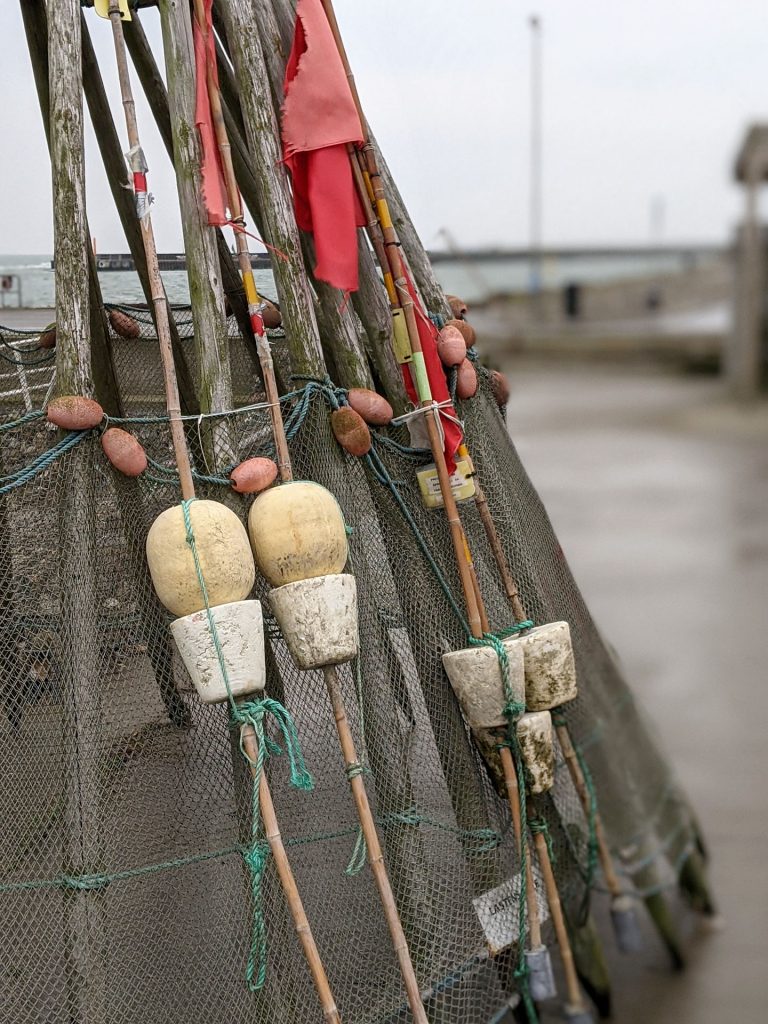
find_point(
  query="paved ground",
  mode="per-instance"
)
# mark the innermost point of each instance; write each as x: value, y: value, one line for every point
x: 658, y: 489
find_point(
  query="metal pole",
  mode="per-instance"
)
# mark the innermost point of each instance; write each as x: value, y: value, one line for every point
x: 535, y: 189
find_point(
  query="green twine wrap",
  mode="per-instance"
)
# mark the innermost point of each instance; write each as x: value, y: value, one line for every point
x: 246, y: 715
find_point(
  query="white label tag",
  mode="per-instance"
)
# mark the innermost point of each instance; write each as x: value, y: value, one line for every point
x: 498, y: 911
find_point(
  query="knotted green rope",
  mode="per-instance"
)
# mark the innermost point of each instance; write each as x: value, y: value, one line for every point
x: 247, y: 715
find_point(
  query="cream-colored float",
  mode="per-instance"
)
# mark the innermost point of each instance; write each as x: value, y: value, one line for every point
x: 226, y: 565
x: 299, y: 541
x: 534, y: 734
x: 225, y: 557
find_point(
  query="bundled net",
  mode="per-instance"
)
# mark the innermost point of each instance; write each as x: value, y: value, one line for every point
x: 126, y: 890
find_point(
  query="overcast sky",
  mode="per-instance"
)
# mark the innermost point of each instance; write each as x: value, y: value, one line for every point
x: 641, y: 100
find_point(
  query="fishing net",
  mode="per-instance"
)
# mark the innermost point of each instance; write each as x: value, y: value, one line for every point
x: 125, y: 893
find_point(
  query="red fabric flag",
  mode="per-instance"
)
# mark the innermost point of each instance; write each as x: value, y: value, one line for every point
x: 214, y: 187
x: 319, y: 119
x: 428, y: 334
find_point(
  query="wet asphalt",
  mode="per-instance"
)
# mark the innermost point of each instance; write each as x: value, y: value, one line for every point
x: 657, y: 485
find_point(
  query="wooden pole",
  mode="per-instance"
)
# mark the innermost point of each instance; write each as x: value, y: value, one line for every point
x: 159, y: 299
x: 214, y: 384
x: 393, y: 261
x: 86, y: 929
x: 513, y: 796
x: 274, y: 198
x: 375, y: 855
x: 580, y: 785
x: 575, y: 998
x: 120, y: 185
x: 288, y: 883
x: 255, y: 304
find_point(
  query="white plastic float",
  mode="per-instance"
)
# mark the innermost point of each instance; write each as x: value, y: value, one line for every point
x: 318, y: 619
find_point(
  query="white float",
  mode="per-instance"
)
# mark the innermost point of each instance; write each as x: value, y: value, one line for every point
x: 475, y: 675
x: 534, y: 734
x: 297, y: 532
x: 222, y: 546
x: 239, y: 628
x: 318, y: 619
x: 550, y: 669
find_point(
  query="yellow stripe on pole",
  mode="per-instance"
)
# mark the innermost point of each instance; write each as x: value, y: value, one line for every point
x: 383, y: 211
x: 251, y: 294
x: 401, y: 342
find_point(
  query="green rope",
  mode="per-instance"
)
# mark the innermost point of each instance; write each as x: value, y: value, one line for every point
x: 42, y: 462
x: 22, y: 420
x: 247, y: 715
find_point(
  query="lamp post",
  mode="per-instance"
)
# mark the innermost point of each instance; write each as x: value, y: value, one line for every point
x: 535, y: 189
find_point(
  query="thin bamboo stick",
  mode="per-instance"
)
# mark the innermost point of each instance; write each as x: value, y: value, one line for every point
x: 575, y: 998
x: 288, y: 883
x: 513, y: 796
x: 375, y: 855
x: 580, y: 785
x: 157, y: 291
x: 255, y: 303
x: 393, y: 261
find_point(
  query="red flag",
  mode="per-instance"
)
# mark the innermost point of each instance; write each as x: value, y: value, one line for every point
x: 319, y: 119
x: 214, y: 187
x: 428, y: 334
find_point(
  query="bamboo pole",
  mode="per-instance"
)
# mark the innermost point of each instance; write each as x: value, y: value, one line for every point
x: 157, y: 291
x: 521, y: 837
x: 154, y: 88
x: 390, y: 253
x: 345, y: 736
x: 84, y: 910
x: 255, y: 303
x: 575, y: 1000
x: 249, y: 738
x: 375, y: 855
x: 288, y: 884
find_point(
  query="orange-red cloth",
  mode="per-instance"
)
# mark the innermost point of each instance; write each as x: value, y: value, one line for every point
x: 428, y: 334
x: 319, y: 119
x: 214, y: 187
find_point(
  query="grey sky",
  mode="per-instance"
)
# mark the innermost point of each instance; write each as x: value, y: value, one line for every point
x: 640, y: 99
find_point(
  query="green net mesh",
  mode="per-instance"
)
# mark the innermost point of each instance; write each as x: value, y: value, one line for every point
x: 126, y: 805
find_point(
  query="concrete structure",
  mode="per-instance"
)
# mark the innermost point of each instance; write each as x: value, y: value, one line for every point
x: 747, y: 355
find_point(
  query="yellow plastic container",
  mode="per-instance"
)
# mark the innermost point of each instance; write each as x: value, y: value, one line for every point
x: 462, y: 483
x: 297, y: 532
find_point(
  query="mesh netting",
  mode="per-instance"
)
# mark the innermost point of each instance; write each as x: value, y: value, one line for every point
x: 126, y: 804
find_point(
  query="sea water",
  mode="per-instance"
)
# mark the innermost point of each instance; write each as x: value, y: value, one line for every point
x: 474, y: 280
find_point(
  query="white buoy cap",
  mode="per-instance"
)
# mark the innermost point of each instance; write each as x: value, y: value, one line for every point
x: 318, y: 619
x: 240, y: 631
x: 550, y: 669
x: 475, y: 675
x: 534, y: 734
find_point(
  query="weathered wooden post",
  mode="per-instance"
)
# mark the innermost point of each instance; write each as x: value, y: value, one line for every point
x: 85, y: 929
x: 214, y: 379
